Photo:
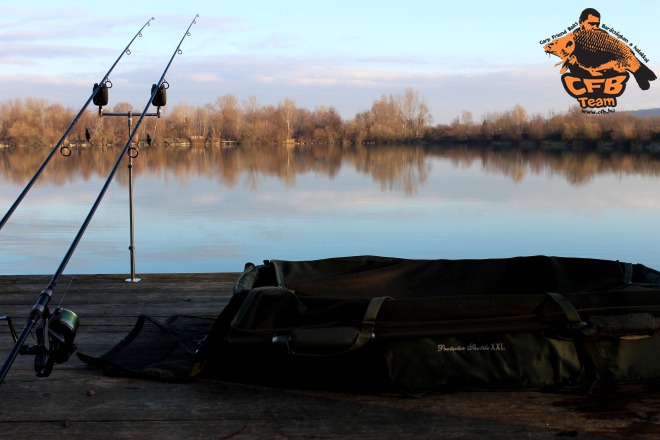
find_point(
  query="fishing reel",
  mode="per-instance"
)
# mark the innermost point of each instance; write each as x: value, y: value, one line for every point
x: 55, y: 335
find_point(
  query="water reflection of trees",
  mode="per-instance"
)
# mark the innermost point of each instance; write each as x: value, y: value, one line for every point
x: 577, y: 167
x: 398, y: 168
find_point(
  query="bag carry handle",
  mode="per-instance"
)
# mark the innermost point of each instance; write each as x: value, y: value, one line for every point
x: 333, y: 337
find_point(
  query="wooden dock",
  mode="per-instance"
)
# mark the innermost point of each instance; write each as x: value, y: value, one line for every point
x: 78, y: 402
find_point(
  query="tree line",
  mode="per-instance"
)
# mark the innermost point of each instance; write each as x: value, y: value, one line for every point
x: 395, y: 118
x: 572, y: 128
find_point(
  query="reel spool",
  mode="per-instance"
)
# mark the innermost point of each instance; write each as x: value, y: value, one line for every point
x: 55, y: 336
x: 62, y: 331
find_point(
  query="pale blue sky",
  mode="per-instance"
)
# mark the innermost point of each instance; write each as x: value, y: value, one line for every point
x: 480, y: 56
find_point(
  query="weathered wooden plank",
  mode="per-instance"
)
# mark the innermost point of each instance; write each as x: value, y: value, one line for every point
x: 78, y: 402
x: 98, y: 294
x: 111, y: 278
x: 204, y: 409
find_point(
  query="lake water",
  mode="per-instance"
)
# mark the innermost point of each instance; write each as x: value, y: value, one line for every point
x: 212, y: 209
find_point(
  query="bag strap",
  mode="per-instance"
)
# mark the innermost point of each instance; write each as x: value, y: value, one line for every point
x: 368, y: 323
x: 627, y: 273
x: 572, y: 315
x: 585, y: 348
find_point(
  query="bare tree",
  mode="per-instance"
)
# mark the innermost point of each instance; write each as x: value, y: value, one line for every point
x: 414, y: 112
x: 180, y: 120
x: 385, y: 120
x: 251, y: 107
x: 201, y: 122
x: 288, y: 112
x: 230, y: 116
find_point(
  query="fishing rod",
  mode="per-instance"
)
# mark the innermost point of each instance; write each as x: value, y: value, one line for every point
x: 102, y: 87
x: 40, y: 309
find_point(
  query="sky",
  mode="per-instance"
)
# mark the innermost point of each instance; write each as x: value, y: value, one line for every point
x: 479, y: 56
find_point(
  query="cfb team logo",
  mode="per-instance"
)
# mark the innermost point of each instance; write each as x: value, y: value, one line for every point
x: 595, y: 64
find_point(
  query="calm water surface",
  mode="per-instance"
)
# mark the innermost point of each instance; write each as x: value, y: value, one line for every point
x: 206, y: 210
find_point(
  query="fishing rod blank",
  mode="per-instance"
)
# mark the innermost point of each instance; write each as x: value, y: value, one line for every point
x: 100, y: 97
x: 41, y: 306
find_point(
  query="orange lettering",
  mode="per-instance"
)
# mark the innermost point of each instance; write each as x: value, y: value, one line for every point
x: 583, y: 102
x: 615, y: 85
x: 597, y: 102
x: 569, y: 82
x: 593, y: 84
x: 594, y: 88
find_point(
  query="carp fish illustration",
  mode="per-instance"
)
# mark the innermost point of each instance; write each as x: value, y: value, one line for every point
x: 595, y: 52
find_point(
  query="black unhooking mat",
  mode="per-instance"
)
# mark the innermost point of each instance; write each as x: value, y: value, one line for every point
x: 415, y: 326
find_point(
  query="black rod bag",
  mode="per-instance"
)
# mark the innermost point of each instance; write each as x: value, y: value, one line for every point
x: 433, y: 325
x: 420, y: 326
